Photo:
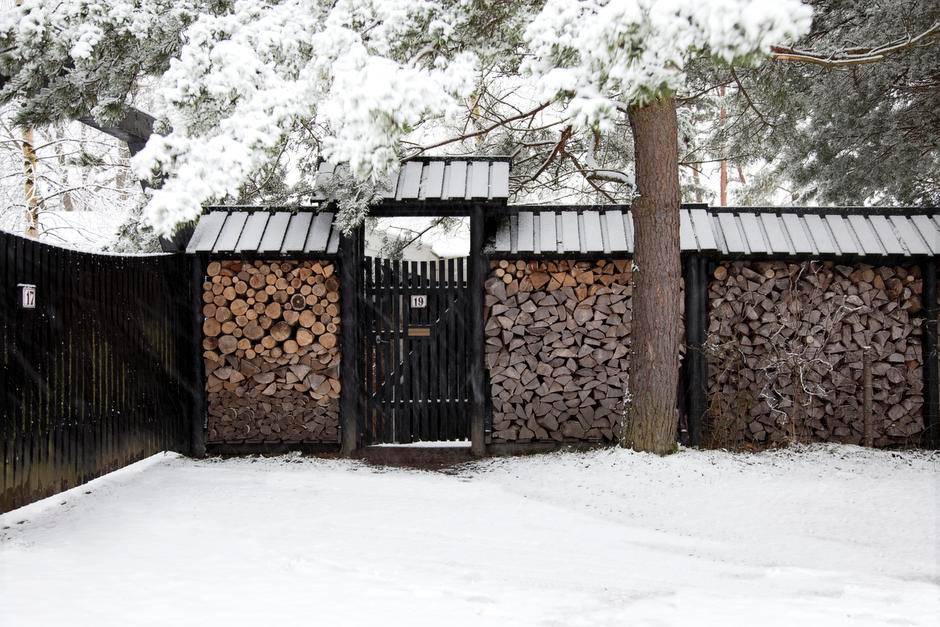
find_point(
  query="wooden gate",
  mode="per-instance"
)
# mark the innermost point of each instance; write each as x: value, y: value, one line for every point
x: 415, y: 357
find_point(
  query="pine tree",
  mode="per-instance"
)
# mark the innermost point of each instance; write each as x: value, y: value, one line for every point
x: 560, y: 85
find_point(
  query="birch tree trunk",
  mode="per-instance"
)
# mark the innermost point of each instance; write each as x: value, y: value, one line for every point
x: 657, y: 325
x: 29, y: 183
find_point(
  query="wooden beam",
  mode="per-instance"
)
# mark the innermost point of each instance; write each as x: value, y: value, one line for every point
x: 477, y: 275
x: 931, y: 357
x: 696, y: 324
x: 135, y: 128
x: 350, y: 264
x: 199, y: 416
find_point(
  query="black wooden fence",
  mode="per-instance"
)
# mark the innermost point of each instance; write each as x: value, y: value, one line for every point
x: 99, y: 374
x: 414, y: 325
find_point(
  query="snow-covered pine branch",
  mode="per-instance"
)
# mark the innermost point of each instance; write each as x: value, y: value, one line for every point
x: 603, y: 56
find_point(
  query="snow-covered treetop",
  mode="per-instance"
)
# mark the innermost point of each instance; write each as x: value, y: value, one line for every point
x: 606, y: 55
x: 236, y: 83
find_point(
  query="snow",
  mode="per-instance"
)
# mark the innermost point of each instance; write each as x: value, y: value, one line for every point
x: 820, y: 536
x: 610, y: 54
x: 89, y: 231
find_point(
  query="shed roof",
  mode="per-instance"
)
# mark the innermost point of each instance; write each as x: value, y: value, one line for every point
x: 767, y: 231
x: 242, y: 230
x: 443, y: 178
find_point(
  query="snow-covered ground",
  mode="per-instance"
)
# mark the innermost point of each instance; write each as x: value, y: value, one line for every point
x: 821, y: 536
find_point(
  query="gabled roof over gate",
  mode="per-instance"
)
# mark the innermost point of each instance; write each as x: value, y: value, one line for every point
x: 765, y: 231
x: 443, y: 178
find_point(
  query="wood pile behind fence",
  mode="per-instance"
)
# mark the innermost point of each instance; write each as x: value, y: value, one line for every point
x: 792, y: 345
x: 99, y: 374
x: 271, y: 351
x: 557, y: 348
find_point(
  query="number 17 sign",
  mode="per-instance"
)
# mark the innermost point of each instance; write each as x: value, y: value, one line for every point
x: 27, y: 295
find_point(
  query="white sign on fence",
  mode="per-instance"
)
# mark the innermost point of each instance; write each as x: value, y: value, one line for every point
x: 419, y: 301
x: 27, y: 295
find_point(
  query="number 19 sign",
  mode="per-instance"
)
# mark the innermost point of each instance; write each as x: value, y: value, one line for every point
x: 419, y: 301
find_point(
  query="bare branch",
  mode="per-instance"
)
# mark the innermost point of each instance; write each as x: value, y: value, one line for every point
x: 484, y: 131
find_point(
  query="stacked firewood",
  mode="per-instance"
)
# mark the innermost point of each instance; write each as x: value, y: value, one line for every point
x: 557, y: 343
x: 271, y: 351
x: 789, y: 345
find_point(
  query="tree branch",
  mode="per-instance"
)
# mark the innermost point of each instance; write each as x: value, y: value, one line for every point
x: 483, y: 131
x: 851, y: 56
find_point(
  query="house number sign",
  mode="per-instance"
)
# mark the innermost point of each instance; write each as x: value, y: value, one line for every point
x: 27, y: 296
x: 419, y: 301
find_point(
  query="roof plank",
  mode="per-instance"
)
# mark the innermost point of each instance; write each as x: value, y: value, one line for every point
x: 410, y: 184
x: 456, y: 179
x: 866, y: 235
x: 704, y: 232
x: 231, y: 231
x: 628, y: 229
x: 615, y: 231
x: 885, y: 232
x: 501, y: 240
x: 274, y: 232
x: 526, y: 238
x: 569, y: 232
x: 753, y: 232
x: 251, y: 234
x: 319, y: 235
x: 478, y: 185
x: 499, y: 179
x: 842, y: 234
x: 798, y: 237
x: 777, y: 240
x: 206, y: 232
x: 548, y: 240
x: 434, y: 180
x: 297, y: 232
x: 928, y: 231
x: 390, y: 185
x: 332, y: 247
x: 732, y: 234
x: 593, y: 240
x: 909, y: 235
x: 820, y: 233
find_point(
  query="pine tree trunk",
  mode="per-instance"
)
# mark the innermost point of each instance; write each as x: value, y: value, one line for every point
x: 657, y: 295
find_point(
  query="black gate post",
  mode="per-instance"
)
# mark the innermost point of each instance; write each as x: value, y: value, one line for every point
x: 477, y: 276
x: 931, y: 363
x: 198, y: 437
x: 350, y: 261
x: 696, y: 325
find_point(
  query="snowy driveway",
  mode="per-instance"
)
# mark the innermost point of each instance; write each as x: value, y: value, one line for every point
x: 833, y: 535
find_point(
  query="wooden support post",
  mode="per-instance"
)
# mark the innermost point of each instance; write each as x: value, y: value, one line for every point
x: 350, y: 261
x: 696, y: 325
x: 931, y: 357
x: 867, y: 435
x: 198, y: 438
x: 477, y: 275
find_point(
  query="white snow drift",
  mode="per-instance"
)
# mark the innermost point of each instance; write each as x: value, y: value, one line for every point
x: 826, y: 535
